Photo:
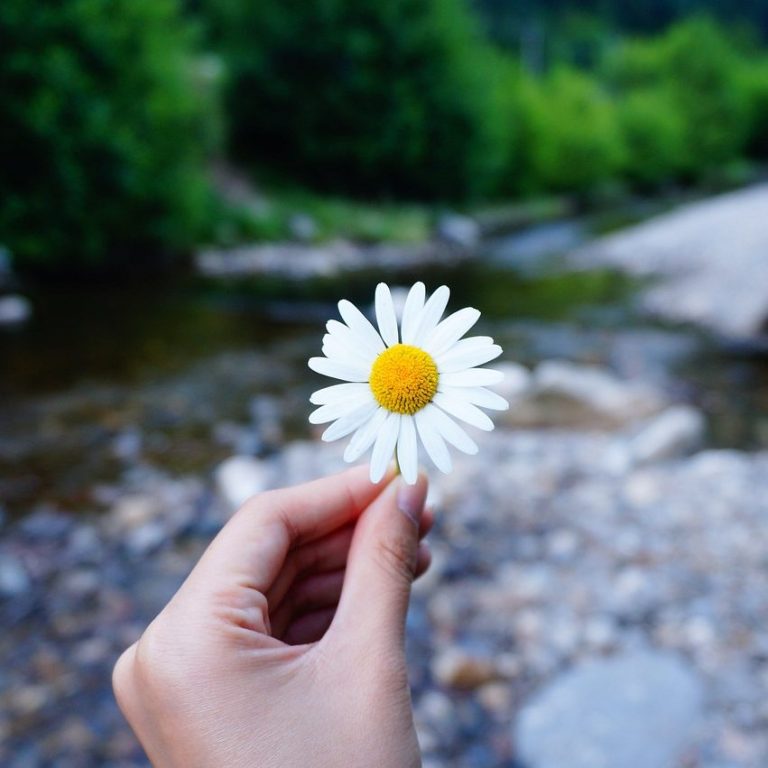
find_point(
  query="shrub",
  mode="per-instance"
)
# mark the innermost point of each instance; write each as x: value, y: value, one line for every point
x: 654, y: 136
x: 755, y: 84
x: 698, y: 68
x: 103, y: 125
x: 571, y: 135
x: 363, y: 96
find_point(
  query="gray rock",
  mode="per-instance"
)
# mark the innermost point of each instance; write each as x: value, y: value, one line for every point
x: 516, y: 382
x: 457, y: 668
x: 642, y: 709
x: 14, y: 309
x: 14, y: 579
x: 674, y: 432
x: 710, y: 255
x: 455, y: 229
x: 562, y: 393
x: 240, y: 477
x: 302, y: 227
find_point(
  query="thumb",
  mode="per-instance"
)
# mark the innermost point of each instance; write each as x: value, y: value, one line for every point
x: 381, y: 565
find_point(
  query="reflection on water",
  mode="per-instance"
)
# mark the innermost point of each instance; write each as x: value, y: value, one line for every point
x: 107, y: 375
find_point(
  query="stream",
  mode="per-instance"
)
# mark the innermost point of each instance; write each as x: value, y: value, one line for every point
x: 176, y: 373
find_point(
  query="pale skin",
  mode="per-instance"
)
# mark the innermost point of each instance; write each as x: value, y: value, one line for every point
x: 285, y: 645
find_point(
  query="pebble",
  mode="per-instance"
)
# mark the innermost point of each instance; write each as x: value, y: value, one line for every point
x: 240, y: 477
x: 14, y: 579
x: 455, y: 668
x: 637, y: 710
x: 556, y: 550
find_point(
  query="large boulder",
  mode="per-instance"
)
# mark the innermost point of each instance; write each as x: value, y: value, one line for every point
x: 710, y: 256
x: 565, y: 394
x: 642, y: 709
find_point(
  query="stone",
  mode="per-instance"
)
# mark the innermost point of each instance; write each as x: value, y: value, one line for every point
x: 132, y: 511
x: 240, y: 477
x: 455, y: 668
x: 709, y: 256
x: 455, y: 229
x: 14, y: 309
x: 302, y: 227
x: 641, y: 709
x: 673, y: 433
x: 14, y: 579
x: 516, y: 381
x: 567, y: 394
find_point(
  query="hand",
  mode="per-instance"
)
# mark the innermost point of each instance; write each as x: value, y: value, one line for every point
x: 284, y: 646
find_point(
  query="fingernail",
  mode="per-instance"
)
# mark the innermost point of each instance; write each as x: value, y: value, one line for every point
x: 410, y: 500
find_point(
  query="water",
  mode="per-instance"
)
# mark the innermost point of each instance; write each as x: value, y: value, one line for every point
x: 105, y: 377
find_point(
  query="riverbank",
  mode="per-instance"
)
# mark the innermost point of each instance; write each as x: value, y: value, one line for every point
x: 579, y: 542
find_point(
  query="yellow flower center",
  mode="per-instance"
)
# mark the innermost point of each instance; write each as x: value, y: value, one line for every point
x: 403, y: 379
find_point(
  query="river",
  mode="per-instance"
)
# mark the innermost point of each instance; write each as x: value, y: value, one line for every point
x: 176, y: 372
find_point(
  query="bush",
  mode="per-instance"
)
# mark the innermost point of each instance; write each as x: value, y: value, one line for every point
x: 698, y: 68
x: 103, y: 127
x: 654, y: 136
x: 755, y: 84
x: 571, y: 138
x: 363, y: 96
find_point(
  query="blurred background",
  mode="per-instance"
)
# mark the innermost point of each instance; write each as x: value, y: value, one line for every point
x: 187, y: 188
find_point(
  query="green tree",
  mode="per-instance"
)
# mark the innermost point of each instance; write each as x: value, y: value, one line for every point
x: 697, y: 66
x: 572, y: 141
x: 364, y: 96
x: 104, y: 124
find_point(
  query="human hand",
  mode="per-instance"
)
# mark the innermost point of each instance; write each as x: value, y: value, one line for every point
x: 285, y: 645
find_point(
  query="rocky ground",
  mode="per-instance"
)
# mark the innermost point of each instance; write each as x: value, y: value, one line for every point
x: 598, y: 591
x: 710, y: 258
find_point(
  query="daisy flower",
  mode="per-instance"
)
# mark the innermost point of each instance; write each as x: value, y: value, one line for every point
x: 405, y: 382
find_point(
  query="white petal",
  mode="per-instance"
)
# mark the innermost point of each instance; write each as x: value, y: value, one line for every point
x: 408, y: 450
x: 349, y: 371
x: 463, y: 410
x: 451, y: 431
x: 336, y: 410
x: 385, y: 315
x: 337, y: 393
x: 337, y: 348
x: 458, y: 359
x: 450, y: 330
x: 350, y: 422
x: 474, y: 377
x: 414, y: 303
x: 363, y: 438
x: 360, y: 325
x: 384, y: 446
x: 432, y: 441
x: 431, y: 314
x: 483, y: 397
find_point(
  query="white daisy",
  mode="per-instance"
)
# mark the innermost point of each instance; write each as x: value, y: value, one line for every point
x: 406, y: 381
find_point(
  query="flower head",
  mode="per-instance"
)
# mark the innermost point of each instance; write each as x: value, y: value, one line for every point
x: 405, y: 382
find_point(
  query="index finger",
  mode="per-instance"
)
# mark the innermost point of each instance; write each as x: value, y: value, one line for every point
x: 254, y: 543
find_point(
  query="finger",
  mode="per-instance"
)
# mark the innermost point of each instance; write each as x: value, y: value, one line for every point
x: 309, y: 628
x: 427, y: 521
x: 319, y: 591
x: 423, y: 559
x: 250, y: 549
x: 323, y: 591
x: 321, y: 556
x: 381, y: 566
x: 326, y: 554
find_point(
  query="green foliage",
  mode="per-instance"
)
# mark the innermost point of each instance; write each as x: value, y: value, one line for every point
x: 654, y: 136
x: 755, y: 85
x: 371, y: 97
x: 696, y: 68
x: 334, y: 217
x: 103, y: 130
x: 571, y: 139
